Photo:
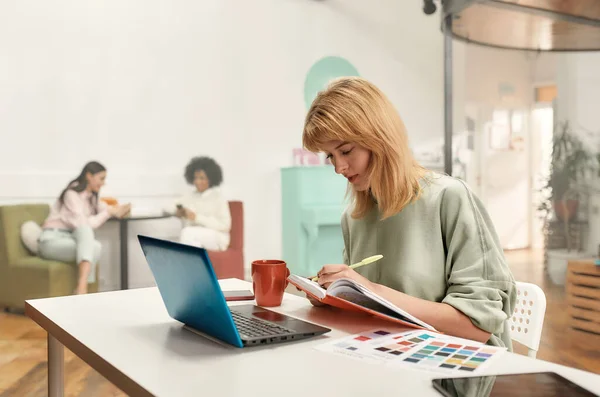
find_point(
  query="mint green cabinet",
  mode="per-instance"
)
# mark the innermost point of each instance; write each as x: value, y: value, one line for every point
x: 313, y: 199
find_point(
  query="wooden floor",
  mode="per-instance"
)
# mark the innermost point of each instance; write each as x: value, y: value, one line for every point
x: 23, y: 369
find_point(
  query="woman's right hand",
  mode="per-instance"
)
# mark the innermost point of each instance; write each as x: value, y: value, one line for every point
x: 313, y: 301
x: 119, y: 211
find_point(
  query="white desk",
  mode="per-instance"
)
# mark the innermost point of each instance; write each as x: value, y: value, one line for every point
x: 128, y: 337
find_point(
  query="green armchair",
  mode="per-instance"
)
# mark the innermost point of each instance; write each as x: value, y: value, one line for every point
x: 23, y: 275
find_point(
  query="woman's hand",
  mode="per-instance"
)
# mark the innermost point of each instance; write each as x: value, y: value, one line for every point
x: 312, y: 300
x: 329, y: 273
x: 189, y: 214
x: 119, y: 211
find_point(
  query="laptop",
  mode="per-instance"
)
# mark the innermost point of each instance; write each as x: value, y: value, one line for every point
x: 192, y: 295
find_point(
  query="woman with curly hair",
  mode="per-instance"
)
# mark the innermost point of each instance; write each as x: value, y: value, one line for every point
x: 204, y: 211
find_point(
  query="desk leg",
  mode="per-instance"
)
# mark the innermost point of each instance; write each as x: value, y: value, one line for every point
x: 124, y: 264
x: 56, y: 365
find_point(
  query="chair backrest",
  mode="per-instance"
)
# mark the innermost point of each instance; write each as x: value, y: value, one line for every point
x: 527, y: 320
x: 237, y: 225
x: 11, y: 219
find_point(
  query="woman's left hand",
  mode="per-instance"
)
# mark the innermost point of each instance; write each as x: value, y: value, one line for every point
x: 189, y: 214
x: 329, y: 273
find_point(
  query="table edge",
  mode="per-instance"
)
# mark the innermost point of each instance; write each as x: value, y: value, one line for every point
x: 104, y: 368
x: 148, y: 218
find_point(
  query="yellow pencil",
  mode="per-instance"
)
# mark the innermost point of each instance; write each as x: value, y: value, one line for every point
x: 365, y: 261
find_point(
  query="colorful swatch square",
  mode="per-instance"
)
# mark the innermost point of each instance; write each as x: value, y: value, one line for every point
x: 477, y: 359
x: 362, y: 338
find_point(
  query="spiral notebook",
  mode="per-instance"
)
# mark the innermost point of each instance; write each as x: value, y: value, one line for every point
x: 348, y: 294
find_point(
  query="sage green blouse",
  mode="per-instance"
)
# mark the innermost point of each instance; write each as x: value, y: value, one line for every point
x: 443, y: 248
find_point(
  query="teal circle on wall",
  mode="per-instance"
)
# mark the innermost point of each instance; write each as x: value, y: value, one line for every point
x: 322, y: 72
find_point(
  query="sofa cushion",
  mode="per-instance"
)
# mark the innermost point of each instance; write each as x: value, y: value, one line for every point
x: 30, y: 233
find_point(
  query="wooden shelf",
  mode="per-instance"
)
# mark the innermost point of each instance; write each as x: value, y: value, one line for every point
x: 583, y: 295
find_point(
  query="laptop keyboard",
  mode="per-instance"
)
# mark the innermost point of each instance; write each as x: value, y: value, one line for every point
x: 254, y: 327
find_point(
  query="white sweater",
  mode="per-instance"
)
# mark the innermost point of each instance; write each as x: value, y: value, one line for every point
x: 211, y: 209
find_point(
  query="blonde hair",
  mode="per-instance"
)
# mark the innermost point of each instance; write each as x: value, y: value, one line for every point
x: 351, y: 109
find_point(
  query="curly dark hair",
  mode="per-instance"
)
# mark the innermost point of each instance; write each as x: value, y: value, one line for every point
x: 210, y: 168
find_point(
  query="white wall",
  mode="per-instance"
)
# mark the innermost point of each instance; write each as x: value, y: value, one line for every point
x: 143, y: 85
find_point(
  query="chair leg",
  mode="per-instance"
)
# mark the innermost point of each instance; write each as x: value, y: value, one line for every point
x: 531, y: 353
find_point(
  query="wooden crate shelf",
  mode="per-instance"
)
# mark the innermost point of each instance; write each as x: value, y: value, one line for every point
x: 583, y: 295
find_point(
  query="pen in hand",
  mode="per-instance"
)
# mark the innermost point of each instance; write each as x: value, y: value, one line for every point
x: 364, y: 262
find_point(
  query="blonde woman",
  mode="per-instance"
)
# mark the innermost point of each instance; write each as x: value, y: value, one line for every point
x: 442, y: 261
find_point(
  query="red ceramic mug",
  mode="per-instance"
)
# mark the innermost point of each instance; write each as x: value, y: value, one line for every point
x: 269, y: 280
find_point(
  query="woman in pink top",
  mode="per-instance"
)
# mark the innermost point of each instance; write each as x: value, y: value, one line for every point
x: 68, y: 234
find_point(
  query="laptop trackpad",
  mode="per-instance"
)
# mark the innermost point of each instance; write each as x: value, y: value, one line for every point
x: 259, y: 312
x: 268, y: 315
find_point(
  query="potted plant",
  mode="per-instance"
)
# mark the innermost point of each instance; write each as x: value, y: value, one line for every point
x: 570, y: 165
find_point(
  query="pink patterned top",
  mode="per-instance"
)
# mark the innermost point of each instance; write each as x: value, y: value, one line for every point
x: 76, y: 211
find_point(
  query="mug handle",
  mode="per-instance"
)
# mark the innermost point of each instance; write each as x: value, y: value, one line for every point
x: 287, y: 282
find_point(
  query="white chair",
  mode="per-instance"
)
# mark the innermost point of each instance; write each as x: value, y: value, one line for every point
x: 528, y: 318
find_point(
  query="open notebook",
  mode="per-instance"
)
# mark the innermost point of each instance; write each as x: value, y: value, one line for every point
x: 348, y: 294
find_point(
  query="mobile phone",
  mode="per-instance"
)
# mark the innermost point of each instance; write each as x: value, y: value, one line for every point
x: 241, y: 295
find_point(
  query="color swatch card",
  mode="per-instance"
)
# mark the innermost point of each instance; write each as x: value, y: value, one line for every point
x: 449, y: 355
x: 415, y: 349
x: 374, y: 346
